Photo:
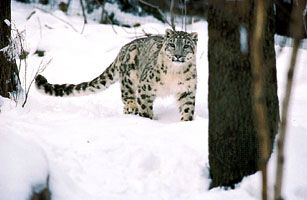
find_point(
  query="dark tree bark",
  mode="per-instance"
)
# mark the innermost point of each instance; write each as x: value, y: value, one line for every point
x: 284, y: 19
x: 233, y: 144
x: 8, y: 68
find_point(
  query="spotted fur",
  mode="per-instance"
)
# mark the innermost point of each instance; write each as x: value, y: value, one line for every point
x: 149, y: 67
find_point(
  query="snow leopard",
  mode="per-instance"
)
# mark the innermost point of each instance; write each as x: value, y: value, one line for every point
x: 147, y: 68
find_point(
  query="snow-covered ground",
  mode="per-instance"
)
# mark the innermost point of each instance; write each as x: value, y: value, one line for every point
x: 92, y: 151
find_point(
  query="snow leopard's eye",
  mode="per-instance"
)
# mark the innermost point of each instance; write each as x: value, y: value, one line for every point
x: 171, y: 45
x: 186, y: 46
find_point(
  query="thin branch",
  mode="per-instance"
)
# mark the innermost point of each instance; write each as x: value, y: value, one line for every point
x: 40, y: 69
x: 22, y: 51
x: 84, y: 15
x: 103, y: 13
x: 297, y: 33
x: 18, y: 36
x: 65, y: 22
x: 145, y: 33
x: 283, y: 125
x: 172, y: 15
x: 31, y: 14
x: 40, y: 29
x: 259, y: 102
x: 158, y: 9
x: 68, y: 4
x: 185, y: 15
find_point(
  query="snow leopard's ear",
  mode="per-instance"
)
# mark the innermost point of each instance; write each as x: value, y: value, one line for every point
x: 169, y: 33
x: 194, y: 36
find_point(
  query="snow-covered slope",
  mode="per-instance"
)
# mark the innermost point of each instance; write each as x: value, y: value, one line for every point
x: 94, y: 151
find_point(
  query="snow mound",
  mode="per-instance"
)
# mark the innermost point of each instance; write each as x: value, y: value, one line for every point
x: 23, y: 168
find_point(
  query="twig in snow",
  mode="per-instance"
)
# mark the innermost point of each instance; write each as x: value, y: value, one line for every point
x: 283, y: 125
x: 22, y: 52
x: 297, y: 32
x: 40, y: 69
x: 84, y: 15
x: 146, y: 34
x: 104, y: 14
x: 40, y: 29
x: 68, y: 4
x: 31, y: 14
x: 158, y: 9
x: 65, y: 22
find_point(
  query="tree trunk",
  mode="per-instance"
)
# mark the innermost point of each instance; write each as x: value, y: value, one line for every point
x: 233, y: 145
x: 8, y: 68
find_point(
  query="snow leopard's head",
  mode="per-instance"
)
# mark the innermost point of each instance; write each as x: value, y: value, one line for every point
x: 180, y: 46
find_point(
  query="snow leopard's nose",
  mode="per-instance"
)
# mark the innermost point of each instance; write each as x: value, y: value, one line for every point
x: 178, y: 57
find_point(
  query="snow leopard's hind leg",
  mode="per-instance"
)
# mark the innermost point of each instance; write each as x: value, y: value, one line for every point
x: 129, y: 79
x: 128, y: 95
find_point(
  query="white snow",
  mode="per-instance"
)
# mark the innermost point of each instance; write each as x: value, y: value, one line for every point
x: 7, y: 22
x: 24, y: 166
x: 243, y: 40
x: 93, y: 151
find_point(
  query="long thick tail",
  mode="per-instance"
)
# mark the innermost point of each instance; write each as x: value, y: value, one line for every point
x: 102, y: 82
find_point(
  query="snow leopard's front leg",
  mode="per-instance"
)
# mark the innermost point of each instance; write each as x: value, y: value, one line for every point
x: 186, y: 103
x: 145, y: 100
